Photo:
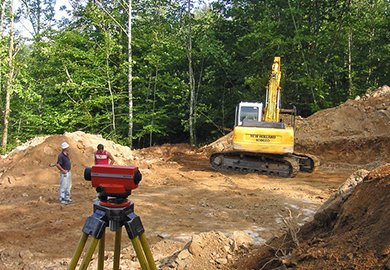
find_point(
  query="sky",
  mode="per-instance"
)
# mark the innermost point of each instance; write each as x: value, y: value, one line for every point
x: 24, y: 26
x: 60, y: 3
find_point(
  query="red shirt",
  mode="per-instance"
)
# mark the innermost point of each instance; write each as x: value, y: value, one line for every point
x: 101, y: 157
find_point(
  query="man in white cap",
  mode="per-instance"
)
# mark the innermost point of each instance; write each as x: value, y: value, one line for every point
x: 64, y: 165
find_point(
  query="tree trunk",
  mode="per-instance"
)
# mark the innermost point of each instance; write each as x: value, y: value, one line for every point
x: 350, y: 63
x: 153, y: 107
x: 109, y: 82
x: 191, y: 80
x: 2, y: 14
x: 2, y: 11
x: 130, y: 77
x: 300, y: 48
x: 9, y: 80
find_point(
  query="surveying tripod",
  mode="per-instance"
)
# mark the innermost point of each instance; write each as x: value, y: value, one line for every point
x: 115, y: 215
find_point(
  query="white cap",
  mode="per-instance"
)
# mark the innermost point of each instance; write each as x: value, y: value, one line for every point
x: 64, y: 145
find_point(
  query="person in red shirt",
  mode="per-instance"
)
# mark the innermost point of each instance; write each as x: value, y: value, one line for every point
x: 103, y: 157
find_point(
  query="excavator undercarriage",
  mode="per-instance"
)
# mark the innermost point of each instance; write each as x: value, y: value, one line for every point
x: 274, y: 165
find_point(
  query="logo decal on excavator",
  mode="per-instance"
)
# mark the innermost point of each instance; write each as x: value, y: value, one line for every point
x: 262, y: 138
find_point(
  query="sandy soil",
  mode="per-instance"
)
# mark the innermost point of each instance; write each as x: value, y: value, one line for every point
x: 178, y: 197
x: 194, y: 217
x: 352, y: 233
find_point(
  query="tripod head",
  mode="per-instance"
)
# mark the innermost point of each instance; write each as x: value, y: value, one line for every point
x: 116, y: 181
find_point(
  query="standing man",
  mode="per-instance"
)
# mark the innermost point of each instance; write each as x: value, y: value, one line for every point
x: 64, y: 166
x: 102, y: 156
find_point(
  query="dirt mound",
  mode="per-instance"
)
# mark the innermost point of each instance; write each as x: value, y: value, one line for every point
x: 356, y: 132
x: 353, y: 235
x: 35, y: 160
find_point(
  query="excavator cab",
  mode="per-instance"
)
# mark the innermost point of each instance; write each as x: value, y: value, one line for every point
x: 247, y: 112
x: 251, y: 114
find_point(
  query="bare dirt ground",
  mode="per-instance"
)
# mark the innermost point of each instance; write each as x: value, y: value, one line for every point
x: 352, y: 233
x: 194, y: 217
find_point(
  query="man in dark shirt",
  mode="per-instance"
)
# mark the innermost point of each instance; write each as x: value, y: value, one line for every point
x: 64, y: 165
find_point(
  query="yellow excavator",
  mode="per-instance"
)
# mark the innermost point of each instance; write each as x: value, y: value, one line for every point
x: 263, y: 141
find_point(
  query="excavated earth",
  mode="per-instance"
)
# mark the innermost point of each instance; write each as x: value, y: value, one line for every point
x: 197, y: 218
x: 353, y: 233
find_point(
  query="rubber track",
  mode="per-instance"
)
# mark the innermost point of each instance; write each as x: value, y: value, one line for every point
x: 273, y: 165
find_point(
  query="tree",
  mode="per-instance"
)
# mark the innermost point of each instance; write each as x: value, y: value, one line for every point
x: 40, y: 14
x: 9, y: 79
x: 130, y: 73
x: 191, y: 79
x: 2, y: 15
x: 148, y: 72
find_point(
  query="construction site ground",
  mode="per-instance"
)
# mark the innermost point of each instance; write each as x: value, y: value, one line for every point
x: 197, y: 218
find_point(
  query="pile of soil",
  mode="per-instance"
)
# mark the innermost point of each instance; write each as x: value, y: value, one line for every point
x: 34, y: 161
x: 355, y: 133
x: 351, y: 234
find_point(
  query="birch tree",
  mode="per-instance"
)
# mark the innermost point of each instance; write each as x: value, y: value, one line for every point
x: 130, y: 74
x: 191, y: 81
x: 9, y: 80
x: 2, y: 14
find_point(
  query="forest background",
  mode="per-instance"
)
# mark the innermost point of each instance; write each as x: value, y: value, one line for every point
x: 174, y: 70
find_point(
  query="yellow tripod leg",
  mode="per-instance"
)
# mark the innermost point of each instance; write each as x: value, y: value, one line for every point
x: 88, y: 256
x: 79, y: 250
x: 140, y: 254
x: 147, y: 251
x: 102, y: 243
x: 117, y: 248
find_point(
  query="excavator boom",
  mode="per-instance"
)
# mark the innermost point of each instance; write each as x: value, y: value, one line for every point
x: 272, y: 107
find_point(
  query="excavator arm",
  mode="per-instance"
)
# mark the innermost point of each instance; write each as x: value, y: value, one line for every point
x: 272, y: 106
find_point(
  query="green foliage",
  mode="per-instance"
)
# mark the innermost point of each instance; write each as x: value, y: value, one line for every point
x: 75, y: 78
